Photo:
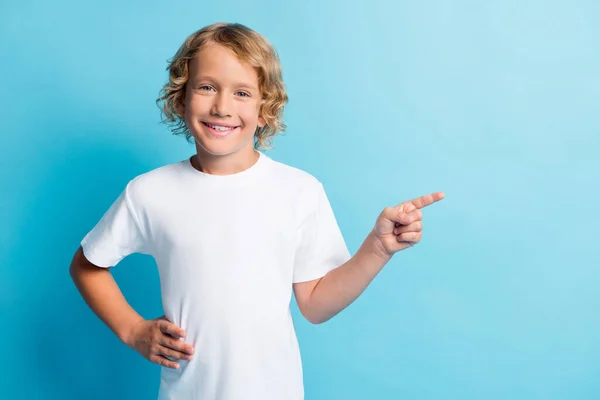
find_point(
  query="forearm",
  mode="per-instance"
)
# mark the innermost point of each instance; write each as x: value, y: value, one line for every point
x: 341, y: 286
x: 101, y: 293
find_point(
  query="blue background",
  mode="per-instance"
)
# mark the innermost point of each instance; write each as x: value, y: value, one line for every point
x: 491, y: 102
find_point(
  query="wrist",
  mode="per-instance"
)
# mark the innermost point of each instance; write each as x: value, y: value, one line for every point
x: 126, y: 333
x: 376, y: 247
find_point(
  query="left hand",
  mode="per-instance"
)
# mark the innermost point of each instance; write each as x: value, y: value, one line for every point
x: 400, y: 227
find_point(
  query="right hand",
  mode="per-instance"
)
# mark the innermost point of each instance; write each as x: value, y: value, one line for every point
x: 158, y: 338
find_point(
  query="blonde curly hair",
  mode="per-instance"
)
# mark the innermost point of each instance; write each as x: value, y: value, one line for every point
x: 250, y: 47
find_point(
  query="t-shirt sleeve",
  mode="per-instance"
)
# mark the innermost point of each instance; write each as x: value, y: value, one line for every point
x: 117, y: 234
x: 321, y: 246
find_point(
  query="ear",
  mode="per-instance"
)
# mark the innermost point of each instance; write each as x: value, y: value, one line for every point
x: 180, y: 108
x: 261, y: 122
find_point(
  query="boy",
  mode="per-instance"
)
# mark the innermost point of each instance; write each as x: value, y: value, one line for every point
x: 233, y: 232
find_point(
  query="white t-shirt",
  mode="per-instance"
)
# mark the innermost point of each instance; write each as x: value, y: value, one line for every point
x: 228, y: 248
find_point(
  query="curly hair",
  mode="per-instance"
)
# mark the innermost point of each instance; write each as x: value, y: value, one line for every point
x: 250, y: 47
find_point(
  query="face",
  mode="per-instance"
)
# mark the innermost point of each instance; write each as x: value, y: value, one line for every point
x: 222, y: 103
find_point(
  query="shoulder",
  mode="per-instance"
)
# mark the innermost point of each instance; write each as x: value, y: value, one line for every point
x: 293, y: 176
x: 300, y: 187
x: 153, y: 182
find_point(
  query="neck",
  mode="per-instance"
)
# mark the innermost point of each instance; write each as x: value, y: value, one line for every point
x: 224, y: 164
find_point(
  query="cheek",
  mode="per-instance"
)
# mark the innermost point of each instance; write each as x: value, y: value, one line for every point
x: 197, y: 104
x: 249, y: 115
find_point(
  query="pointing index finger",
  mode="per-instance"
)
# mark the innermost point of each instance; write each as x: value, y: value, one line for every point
x: 429, y: 199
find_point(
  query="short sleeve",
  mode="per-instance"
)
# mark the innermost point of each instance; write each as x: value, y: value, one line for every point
x: 117, y: 234
x: 321, y: 246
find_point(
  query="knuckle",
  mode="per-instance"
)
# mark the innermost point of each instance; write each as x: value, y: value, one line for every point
x: 169, y: 353
x: 183, y: 349
x: 179, y: 347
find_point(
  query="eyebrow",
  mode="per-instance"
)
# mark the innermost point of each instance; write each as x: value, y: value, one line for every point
x: 236, y: 84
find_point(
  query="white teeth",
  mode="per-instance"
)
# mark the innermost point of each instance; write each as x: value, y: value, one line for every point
x: 221, y: 128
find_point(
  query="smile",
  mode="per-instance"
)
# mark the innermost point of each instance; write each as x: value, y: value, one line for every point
x: 220, y: 127
x: 220, y: 130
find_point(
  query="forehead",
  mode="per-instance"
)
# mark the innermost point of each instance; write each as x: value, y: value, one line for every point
x: 221, y: 63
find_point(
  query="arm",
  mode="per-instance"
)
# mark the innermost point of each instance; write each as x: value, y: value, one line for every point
x: 101, y: 293
x: 154, y: 339
x: 397, y: 228
x: 321, y: 299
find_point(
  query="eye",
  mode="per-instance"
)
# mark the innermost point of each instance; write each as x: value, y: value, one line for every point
x: 205, y: 87
x: 243, y: 94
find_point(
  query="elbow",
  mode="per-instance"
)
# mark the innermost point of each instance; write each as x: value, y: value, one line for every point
x: 308, y: 314
x: 313, y: 314
x: 74, y: 267
x: 315, y: 319
x: 73, y: 270
x: 322, y: 320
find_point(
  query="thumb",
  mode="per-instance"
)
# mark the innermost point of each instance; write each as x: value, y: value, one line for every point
x: 396, y: 215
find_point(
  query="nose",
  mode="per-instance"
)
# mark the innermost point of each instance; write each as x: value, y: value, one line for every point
x: 221, y: 105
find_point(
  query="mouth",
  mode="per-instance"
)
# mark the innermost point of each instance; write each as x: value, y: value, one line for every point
x: 220, y: 130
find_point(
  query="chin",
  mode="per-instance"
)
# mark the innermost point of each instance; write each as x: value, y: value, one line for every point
x: 219, y: 148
